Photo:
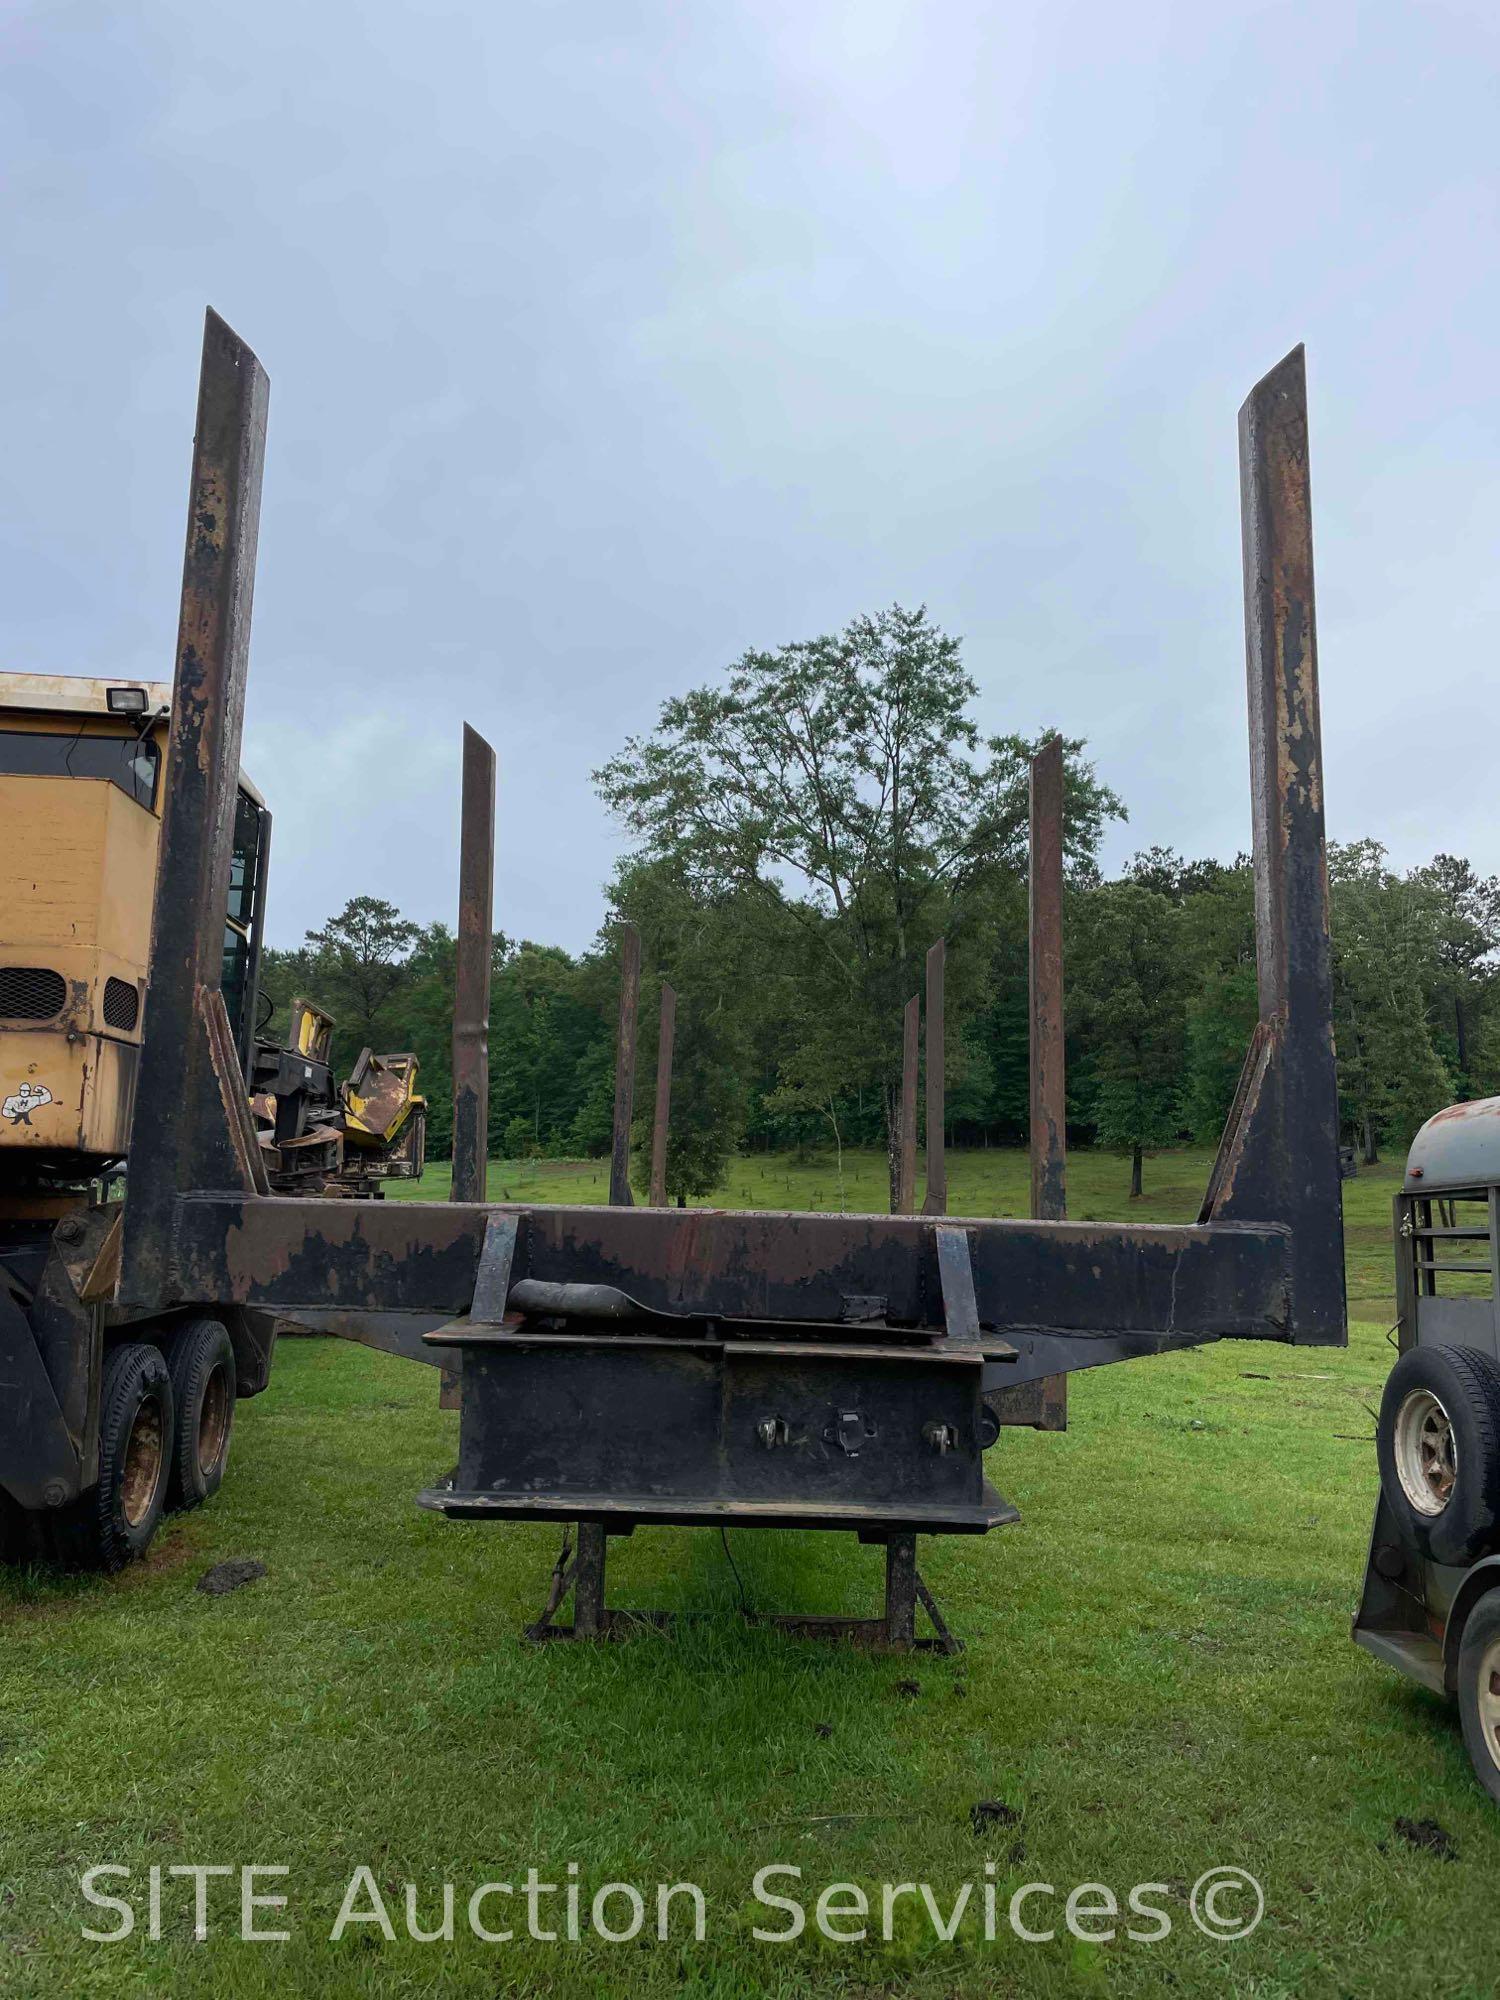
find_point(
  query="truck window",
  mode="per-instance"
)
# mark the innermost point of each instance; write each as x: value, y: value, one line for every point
x: 133, y: 763
x: 236, y: 971
x: 244, y: 867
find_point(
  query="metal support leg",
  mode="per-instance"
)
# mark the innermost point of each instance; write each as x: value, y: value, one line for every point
x: 901, y: 1593
x: 590, y: 1619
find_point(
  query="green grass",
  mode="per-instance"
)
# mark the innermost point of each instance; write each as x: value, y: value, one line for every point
x: 1158, y: 1680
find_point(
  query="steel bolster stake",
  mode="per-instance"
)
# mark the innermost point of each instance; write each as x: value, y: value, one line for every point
x: 474, y: 953
x: 625, y: 1033
x: 661, y: 1119
x: 936, y: 1202
x: 1278, y: 1157
x: 200, y: 1147
x: 906, y: 1181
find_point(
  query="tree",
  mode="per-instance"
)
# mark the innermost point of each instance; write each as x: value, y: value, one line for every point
x: 546, y: 1017
x: 844, y: 782
x: 1129, y: 984
x: 1467, y: 910
x: 1385, y: 932
x: 360, y: 959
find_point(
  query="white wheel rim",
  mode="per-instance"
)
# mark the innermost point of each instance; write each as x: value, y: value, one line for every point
x: 1426, y: 1452
x: 1488, y: 1702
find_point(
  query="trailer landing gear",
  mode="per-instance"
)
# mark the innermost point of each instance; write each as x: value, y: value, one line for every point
x: 582, y: 1572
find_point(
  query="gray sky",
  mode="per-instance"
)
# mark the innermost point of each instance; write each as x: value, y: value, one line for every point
x: 608, y: 340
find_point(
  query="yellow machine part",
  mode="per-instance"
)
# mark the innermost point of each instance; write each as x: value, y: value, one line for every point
x: 77, y: 877
x: 379, y: 1097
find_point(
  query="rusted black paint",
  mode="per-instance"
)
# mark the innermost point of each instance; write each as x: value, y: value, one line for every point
x: 181, y: 1138
x: 1044, y: 1405
x: 755, y: 1266
x: 1279, y: 1157
x: 625, y: 1035
x: 1049, y: 1098
x: 906, y: 1171
x: 471, y: 1004
x: 935, y: 1202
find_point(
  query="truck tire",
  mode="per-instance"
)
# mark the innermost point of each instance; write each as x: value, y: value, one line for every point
x: 1438, y: 1443
x: 202, y: 1364
x: 1479, y: 1690
x: 112, y: 1523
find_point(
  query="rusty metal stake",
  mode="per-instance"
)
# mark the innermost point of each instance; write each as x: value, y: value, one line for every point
x: 906, y: 1167
x: 630, y: 991
x: 666, y: 1035
x: 1279, y: 1152
x: 471, y: 1004
x: 937, y: 1104
x: 1049, y: 1103
x: 193, y: 1147
x: 1044, y: 1403
x: 471, y: 1001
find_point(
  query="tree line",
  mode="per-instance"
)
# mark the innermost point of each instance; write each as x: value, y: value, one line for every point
x: 803, y: 830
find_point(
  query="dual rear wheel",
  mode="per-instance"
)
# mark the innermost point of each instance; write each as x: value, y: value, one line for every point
x: 166, y: 1415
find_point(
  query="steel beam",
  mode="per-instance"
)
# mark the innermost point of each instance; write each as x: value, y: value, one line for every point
x: 625, y: 1034
x: 936, y: 1202
x: 1049, y: 1100
x: 661, y: 1121
x: 181, y: 1138
x: 471, y: 1002
x: 854, y: 1277
x: 906, y: 1168
x: 1279, y: 1154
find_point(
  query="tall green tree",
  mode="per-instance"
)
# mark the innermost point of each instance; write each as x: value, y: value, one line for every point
x: 1129, y: 985
x: 845, y: 782
x: 1467, y: 911
x: 361, y: 959
x: 1385, y: 932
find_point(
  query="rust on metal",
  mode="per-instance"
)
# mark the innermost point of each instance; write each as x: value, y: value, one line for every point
x: 229, y: 1078
x: 471, y: 1004
x: 1049, y: 1098
x: 661, y: 1119
x: 630, y: 993
x: 188, y: 1142
x: 906, y: 1169
x: 1043, y: 1404
x: 1095, y: 1279
x: 1279, y: 1156
x: 936, y: 1202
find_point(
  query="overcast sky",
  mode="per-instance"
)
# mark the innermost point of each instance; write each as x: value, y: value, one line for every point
x: 607, y: 340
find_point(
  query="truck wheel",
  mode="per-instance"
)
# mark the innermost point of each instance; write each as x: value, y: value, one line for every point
x: 1479, y: 1690
x: 1438, y: 1443
x: 112, y: 1523
x: 202, y: 1364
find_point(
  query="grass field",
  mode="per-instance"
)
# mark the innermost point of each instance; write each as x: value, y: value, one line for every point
x: 1158, y: 1680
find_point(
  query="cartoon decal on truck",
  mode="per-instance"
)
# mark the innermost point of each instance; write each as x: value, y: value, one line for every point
x: 30, y: 1097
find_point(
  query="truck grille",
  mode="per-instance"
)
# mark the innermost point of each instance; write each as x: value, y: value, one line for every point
x: 31, y: 993
x: 122, y: 1004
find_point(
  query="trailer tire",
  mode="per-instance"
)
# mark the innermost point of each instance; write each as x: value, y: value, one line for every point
x: 112, y: 1523
x: 203, y: 1371
x: 1479, y: 1690
x: 1438, y: 1443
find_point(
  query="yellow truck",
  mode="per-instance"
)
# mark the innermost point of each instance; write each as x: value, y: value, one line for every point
x: 105, y: 1419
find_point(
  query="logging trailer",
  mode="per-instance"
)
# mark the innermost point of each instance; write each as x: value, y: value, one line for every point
x: 626, y: 1366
